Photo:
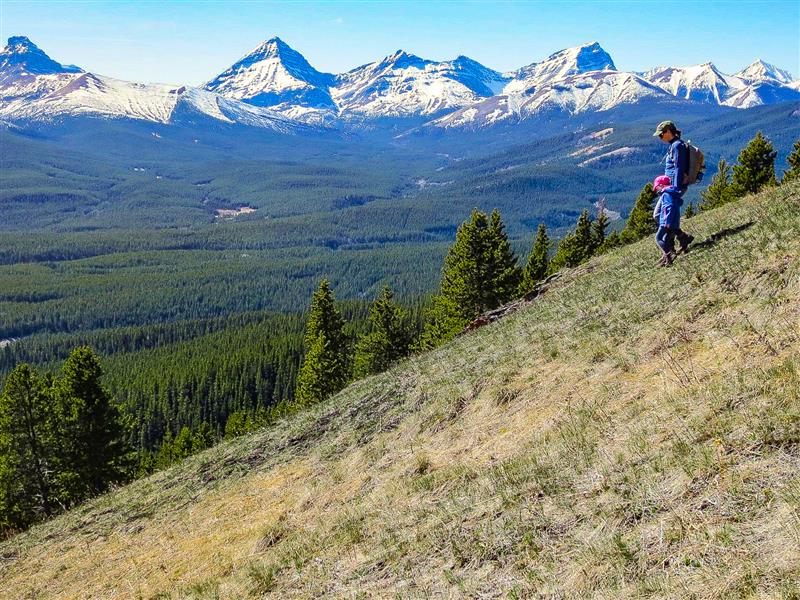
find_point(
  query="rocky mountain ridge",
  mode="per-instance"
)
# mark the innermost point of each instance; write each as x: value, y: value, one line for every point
x: 275, y: 87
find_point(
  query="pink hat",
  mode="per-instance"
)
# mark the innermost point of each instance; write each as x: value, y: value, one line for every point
x: 661, y: 182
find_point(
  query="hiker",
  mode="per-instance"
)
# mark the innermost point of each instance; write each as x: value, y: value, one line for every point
x: 676, y: 169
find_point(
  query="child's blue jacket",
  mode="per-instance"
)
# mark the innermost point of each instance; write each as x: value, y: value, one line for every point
x: 670, y: 212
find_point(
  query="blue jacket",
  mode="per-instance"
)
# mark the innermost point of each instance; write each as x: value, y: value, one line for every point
x: 677, y: 166
x: 670, y: 209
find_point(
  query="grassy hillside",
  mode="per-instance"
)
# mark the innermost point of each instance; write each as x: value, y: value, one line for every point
x: 633, y: 432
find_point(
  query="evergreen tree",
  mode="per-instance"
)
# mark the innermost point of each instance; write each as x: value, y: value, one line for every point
x: 326, y: 366
x: 165, y: 455
x: 26, y: 453
x: 689, y: 211
x: 640, y: 221
x: 480, y: 273
x: 538, y: 262
x: 503, y: 272
x: 91, y: 435
x: 576, y: 247
x: 719, y: 191
x: 794, y: 164
x: 756, y: 168
x: 388, y: 340
x: 236, y: 424
x: 598, y: 233
x: 612, y: 240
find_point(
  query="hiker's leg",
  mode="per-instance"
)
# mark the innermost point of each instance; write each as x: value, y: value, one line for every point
x: 665, y: 242
x: 661, y: 236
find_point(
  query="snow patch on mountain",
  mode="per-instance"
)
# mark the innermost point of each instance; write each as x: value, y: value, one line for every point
x: 760, y: 70
x: 612, y: 154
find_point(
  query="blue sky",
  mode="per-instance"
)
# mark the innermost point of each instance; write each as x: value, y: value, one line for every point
x: 192, y: 41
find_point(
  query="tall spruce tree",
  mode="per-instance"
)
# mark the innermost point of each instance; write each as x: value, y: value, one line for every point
x: 794, y: 164
x: 756, y: 168
x: 91, y: 436
x: 538, y: 261
x: 719, y: 191
x: 503, y: 271
x: 326, y: 365
x: 640, y: 221
x: 389, y: 337
x: 576, y: 247
x: 480, y: 273
x: 26, y: 451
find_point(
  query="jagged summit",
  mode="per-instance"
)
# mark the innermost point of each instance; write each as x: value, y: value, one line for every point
x: 404, y: 84
x: 403, y: 60
x: 569, y: 61
x: 587, y: 57
x: 22, y: 57
x: 274, y: 73
x: 760, y: 70
x: 703, y: 82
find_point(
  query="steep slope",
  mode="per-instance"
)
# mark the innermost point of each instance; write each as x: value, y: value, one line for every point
x: 632, y: 432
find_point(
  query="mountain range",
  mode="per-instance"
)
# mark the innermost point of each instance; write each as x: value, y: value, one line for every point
x: 274, y: 87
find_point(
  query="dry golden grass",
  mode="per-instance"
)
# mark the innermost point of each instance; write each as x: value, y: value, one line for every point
x: 632, y: 433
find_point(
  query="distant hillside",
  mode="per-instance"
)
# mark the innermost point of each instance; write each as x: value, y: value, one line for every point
x: 633, y: 432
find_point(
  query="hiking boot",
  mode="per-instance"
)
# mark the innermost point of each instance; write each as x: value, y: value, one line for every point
x: 684, y: 249
x: 667, y: 259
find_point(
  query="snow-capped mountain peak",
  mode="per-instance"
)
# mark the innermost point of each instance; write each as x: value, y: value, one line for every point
x: 703, y: 82
x: 271, y: 48
x: 569, y: 61
x: 22, y: 57
x: 404, y: 84
x: 273, y: 74
x: 760, y: 70
x: 760, y: 83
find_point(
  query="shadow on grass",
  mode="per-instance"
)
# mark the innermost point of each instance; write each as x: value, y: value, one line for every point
x: 716, y: 237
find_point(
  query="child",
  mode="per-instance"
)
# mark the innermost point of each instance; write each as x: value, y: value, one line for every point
x: 668, y: 214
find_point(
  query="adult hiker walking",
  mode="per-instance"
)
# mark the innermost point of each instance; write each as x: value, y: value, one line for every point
x: 677, y: 170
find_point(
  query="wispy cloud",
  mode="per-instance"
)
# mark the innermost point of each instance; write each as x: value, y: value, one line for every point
x: 337, y: 21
